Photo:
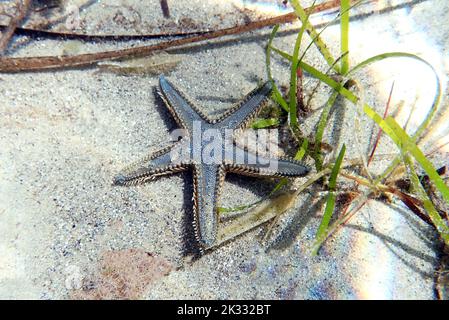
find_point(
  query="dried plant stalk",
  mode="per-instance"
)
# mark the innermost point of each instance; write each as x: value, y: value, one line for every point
x: 52, y: 62
x: 22, y: 10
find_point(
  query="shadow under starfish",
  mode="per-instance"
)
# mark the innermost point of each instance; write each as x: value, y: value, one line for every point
x: 210, y: 160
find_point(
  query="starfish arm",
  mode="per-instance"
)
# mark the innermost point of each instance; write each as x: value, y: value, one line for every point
x: 184, y: 111
x: 208, y: 180
x: 154, y: 165
x: 242, y: 113
x: 249, y: 163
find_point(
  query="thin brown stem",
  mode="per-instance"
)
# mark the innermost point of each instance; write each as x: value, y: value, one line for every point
x: 414, y: 204
x: 52, y: 62
x: 379, y: 133
x: 22, y: 10
x: 437, y: 149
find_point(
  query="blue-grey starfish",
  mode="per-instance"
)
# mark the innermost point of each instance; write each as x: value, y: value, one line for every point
x: 190, y: 150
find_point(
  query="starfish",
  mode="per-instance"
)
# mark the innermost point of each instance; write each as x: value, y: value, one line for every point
x: 209, y: 172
